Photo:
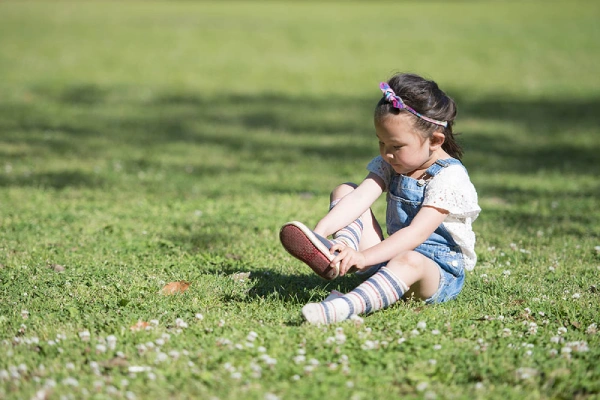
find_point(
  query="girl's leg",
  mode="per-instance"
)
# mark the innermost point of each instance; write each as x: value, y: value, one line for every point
x: 314, y: 250
x: 363, y: 233
x: 381, y: 290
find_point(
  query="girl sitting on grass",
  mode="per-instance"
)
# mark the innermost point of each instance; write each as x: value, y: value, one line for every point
x: 431, y: 204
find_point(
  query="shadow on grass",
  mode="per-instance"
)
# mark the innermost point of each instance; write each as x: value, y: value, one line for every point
x: 259, y: 131
x: 239, y: 123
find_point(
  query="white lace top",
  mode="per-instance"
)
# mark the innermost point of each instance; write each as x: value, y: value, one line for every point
x: 450, y: 190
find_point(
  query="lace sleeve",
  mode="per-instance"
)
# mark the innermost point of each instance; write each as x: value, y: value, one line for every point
x: 451, y: 190
x: 382, y: 169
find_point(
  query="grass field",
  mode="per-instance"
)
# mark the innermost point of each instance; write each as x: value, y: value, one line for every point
x: 143, y: 143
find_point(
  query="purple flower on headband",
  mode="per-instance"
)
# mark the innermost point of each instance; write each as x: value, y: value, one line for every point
x: 398, y: 103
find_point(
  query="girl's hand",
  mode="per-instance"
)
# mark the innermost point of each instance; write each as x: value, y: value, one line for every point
x: 348, y: 258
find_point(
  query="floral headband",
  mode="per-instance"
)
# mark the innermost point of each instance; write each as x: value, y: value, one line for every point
x: 398, y: 103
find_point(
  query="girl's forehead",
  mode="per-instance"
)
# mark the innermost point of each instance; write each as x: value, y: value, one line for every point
x: 395, y: 125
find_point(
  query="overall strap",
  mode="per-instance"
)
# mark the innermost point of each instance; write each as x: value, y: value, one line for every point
x: 435, y: 169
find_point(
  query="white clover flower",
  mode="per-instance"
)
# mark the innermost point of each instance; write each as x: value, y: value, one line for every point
x: 180, y: 323
x: 100, y: 348
x: 261, y: 349
x: 506, y: 332
x: 340, y: 338
x: 154, y: 322
x: 141, y: 348
x: 84, y: 336
x: 555, y: 339
x: 578, y: 347
x: 251, y: 336
x: 552, y: 352
x: 401, y: 340
x: 525, y: 373
x: 430, y: 395
x: 435, y: 332
x: 562, y: 330
x: 370, y: 345
x: 576, y: 296
x: 111, y: 340
x: 592, y: 329
x: 4, y: 375
x: 70, y: 382
x: 414, y: 332
x: 421, y: 325
x: 199, y: 316
x: 506, y: 272
x: 422, y: 386
x: 139, y: 368
x: 296, y: 377
x: 299, y: 359
x: 236, y: 375
x: 532, y: 328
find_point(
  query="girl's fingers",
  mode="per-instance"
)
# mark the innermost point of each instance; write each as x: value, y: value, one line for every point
x: 336, y: 247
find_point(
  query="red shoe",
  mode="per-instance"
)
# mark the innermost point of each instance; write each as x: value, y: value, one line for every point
x: 309, y: 248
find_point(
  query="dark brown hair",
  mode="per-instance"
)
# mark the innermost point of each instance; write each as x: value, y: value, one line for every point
x: 428, y: 99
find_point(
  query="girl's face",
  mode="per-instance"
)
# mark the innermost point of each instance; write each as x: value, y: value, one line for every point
x: 403, y: 147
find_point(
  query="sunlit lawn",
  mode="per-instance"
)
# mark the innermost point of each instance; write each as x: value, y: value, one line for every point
x: 143, y: 143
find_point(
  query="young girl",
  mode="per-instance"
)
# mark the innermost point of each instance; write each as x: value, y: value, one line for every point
x: 431, y: 204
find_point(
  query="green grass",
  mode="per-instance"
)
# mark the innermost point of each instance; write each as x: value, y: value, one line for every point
x: 149, y: 142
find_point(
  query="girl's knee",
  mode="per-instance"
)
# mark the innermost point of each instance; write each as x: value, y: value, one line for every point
x: 342, y: 190
x: 408, y: 260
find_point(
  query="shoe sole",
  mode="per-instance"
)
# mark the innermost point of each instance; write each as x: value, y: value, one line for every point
x: 309, y: 248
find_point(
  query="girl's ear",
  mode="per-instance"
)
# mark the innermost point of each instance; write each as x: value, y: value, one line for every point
x: 437, y: 140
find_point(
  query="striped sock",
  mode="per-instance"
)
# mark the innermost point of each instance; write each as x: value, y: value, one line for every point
x: 350, y: 235
x: 379, y: 291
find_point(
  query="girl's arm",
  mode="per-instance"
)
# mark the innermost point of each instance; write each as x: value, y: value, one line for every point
x: 427, y: 220
x: 351, y: 206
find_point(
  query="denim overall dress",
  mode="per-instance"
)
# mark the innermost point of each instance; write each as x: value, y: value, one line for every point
x: 404, y: 199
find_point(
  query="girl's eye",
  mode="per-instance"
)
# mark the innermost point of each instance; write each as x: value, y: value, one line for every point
x: 397, y: 147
